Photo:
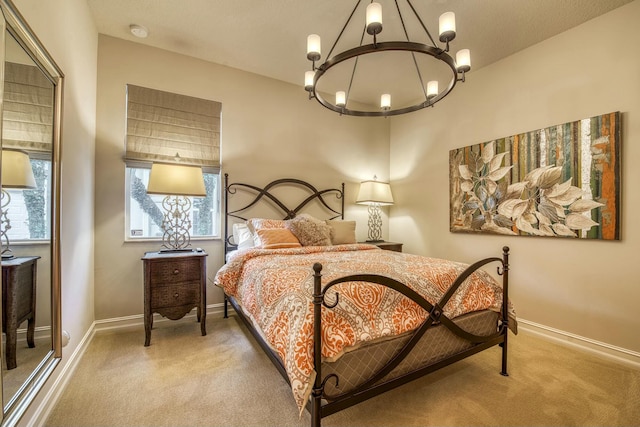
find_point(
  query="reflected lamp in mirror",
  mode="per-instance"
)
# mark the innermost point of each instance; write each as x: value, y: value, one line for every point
x: 375, y: 194
x: 16, y: 174
x: 177, y: 183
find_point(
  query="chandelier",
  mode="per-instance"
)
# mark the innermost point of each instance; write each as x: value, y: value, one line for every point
x: 427, y: 62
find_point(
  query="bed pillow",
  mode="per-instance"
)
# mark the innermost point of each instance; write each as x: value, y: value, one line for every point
x: 242, y: 236
x: 310, y: 231
x: 275, y: 238
x: 256, y: 224
x: 342, y: 232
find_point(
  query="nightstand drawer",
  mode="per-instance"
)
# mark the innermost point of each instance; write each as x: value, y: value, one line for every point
x: 170, y: 272
x: 177, y: 295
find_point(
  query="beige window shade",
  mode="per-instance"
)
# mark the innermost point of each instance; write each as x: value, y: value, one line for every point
x: 163, y: 124
x: 27, y: 110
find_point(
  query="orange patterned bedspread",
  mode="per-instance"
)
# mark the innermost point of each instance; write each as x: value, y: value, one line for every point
x: 275, y: 287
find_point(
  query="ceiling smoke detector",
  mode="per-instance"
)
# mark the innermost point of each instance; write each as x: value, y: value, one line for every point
x: 138, y: 31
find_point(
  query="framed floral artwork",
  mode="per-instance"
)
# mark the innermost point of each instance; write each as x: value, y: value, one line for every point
x: 562, y: 181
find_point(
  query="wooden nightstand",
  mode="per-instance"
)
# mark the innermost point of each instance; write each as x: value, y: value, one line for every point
x: 389, y: 246
x: 18, y: 302
x: 174, y: 283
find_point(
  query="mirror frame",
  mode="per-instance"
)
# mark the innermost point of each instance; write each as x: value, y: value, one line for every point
x: 15, y: 24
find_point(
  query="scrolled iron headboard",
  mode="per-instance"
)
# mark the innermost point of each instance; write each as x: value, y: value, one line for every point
x: 313, y: 195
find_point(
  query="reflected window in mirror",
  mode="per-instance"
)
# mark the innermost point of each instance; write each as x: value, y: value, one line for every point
x: 27, y: 126
x: 28, y: 209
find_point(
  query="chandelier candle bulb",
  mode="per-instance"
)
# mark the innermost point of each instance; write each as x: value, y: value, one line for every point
x: 341, y: 98
x: 432, y: 89
x: 385, y: 101
x: 308, y: 80
x: 463, y: 60
x: 374, y: 18
x: 447, y: 23
x: 313, y: 47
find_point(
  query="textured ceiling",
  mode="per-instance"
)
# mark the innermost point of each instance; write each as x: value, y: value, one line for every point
x: 268, y: 37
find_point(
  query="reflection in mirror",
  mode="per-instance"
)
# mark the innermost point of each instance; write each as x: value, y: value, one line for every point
x: 31, y: 91
x: 27, y: 138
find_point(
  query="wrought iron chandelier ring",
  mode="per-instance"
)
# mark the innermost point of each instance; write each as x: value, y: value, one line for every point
x: 395, y: 46
x: 374, y: 26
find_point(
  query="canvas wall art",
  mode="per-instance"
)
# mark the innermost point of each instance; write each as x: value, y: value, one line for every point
x: 562, y: 181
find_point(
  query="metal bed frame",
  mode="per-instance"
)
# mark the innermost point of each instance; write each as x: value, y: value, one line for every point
x: 320, y: 403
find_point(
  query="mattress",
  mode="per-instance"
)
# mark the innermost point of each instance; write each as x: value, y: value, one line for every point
x: 357, y: 366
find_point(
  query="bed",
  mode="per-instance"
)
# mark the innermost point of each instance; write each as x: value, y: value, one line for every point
x: 344, y: 321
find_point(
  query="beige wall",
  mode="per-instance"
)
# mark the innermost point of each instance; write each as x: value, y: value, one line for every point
x: 67, y: 31
x: 588, y: 288
x: 270, y: 130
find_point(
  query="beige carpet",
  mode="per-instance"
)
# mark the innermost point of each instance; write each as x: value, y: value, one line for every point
x: 224, y: 379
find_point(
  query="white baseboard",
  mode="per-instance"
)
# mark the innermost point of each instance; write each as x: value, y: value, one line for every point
x: 39, y: 333
x: 598, y: 348
x: 53, y: 394
x: 137, y: 321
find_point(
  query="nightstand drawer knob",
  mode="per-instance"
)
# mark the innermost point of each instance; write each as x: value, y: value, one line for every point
x: 176, y: 271
x: 176, y: 295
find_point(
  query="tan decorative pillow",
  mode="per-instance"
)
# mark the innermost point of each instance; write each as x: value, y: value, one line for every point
x: 275, y: 238
x: 310, y: 231
x: 255, y: 224
x: 342, y: 232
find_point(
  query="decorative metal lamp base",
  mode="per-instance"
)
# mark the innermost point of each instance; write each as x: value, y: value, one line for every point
x: 375, y: 224
x: 176, y: 224
x: 5, y: 226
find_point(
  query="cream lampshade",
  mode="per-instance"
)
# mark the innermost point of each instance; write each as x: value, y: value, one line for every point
x: 16, y: 169
x: 17, y: 173
x: 375, y: 194
x: 177, y: 182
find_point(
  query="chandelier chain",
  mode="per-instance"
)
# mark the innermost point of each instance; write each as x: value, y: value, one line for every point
x: 413, y: 55
x: 355, y: 64
x: 343, y: 28
x: 423, y: 26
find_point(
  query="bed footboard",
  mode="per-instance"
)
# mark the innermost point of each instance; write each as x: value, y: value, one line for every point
x: 374, y: 385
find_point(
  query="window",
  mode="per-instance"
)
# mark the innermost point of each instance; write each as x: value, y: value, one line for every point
x: 164, y: 127
x: 29, y: 212
x: 145, y: 211
x: 27, y: 126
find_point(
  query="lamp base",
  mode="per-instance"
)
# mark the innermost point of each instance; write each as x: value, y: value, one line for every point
x: 374, y: 241
x: 162, y: 251
x: 8, y: 256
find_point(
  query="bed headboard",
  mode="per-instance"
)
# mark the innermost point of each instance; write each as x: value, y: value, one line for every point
x: 308, y: 196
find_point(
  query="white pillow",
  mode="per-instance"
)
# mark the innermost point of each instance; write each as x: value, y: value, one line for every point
x: 242, y: 236
x: 230, y: 254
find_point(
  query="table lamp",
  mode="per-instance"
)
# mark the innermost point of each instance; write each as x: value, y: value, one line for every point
x: 16, y: 174
x: 176, y: 182
x: 375, y: 194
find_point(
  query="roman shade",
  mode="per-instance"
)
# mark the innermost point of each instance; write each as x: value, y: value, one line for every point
x: 164, y: 127
x: 28, y: 110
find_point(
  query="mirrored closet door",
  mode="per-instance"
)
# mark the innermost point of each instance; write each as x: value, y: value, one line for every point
x: 29, y: 224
